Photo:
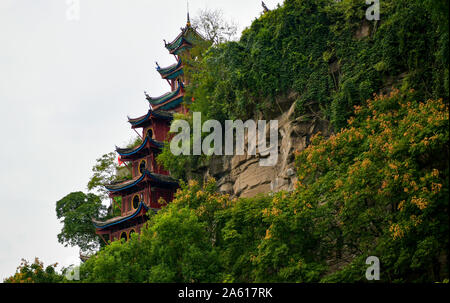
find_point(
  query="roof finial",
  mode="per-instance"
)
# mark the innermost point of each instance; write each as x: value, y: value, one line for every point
x: 264, y: 7
x: 188, y: 23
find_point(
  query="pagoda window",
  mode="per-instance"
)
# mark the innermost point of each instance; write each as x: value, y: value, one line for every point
x: 142, y: 167
x: 123, y: 235
x: 136, y: 201
x: 150, y: 133
x: 130, y: 233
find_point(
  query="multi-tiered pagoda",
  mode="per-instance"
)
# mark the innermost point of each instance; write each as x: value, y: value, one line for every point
x: 150, y: 182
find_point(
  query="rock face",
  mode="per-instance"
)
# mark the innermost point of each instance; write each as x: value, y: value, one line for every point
x: 242, y: 176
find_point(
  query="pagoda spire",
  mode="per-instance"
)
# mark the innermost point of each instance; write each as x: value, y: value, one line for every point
x: 188, y: 22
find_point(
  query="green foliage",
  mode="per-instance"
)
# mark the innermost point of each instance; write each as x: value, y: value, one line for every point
x: 76, y: 212
x: 104, y: 173
x: 107, y: 171
x: 180, y: 166
x: 377, y: 188
x: 35, y: 273
x: 311, y: 48
x: 317, y: 51
x: 177, y: 245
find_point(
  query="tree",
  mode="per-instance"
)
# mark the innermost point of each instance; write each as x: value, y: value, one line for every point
x: 35, y: 273
x: 76, y: 211
x: 104, y: 173
x: 213, y: 26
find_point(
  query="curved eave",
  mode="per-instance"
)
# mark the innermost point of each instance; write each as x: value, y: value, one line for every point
x: 171, y: 104
x: 177, y: 73
x: 183, y: 37
x: 168, y: 71
x: 155, y: 178
x: 138, y: 122
x: 164, y: 98
x: 138, y: 153
x: 119, y: 220
x: 181, y: 48
x: 130, y: 152
x: 125, y: 185
x: 177, y: 41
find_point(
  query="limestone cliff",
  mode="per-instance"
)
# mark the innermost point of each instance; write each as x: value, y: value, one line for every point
x: 242, y: 176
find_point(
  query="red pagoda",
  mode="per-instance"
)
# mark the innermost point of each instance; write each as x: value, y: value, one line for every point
x: 150, y: 182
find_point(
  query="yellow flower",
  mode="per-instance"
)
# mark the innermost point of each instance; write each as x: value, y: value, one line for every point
x: 193, y: 183
x: 392, y: 165
x: 436, y: 187
x: 421, y: 203
x: 401, y: 205
x: 435, y: 173
x: 397, y: 232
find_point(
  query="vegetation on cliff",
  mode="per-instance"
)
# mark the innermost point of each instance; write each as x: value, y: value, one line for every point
x: 377, y: 188
x: 328, y: 54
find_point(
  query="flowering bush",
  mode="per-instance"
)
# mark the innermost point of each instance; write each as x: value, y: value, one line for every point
x: 377, y: 188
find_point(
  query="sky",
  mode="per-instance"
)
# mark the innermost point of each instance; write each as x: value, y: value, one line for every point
x: 68, y: 82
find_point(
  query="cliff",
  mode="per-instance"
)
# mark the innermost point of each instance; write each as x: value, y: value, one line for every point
x: 242, y: 176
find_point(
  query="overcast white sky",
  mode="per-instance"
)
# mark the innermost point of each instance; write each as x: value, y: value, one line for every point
x: 66, y: 88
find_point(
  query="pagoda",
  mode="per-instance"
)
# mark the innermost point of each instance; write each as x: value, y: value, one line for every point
x: 149, y: 181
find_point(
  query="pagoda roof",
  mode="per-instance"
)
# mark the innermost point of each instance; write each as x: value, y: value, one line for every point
x: 147, y: 175
x: 159, y: 114
x: 137, y: 149
x: 184, y: 40
x: 121, y: 219
x: 169, y: 100
x: 172, y: 71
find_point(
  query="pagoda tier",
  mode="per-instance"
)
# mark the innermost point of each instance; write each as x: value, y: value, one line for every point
x: 185, y: 40
x: 130, y: 154
x: 146, y: 179
x: 142, y: 209
x: 139, y: 195
x: 168, y: 101
x: 123, y: 226
x: 171, y: 72
x: 146, y: 120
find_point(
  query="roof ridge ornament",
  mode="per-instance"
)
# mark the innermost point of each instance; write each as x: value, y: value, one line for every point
x: 264, y: 7
x: 146, y: 95
x: 188, y: 23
